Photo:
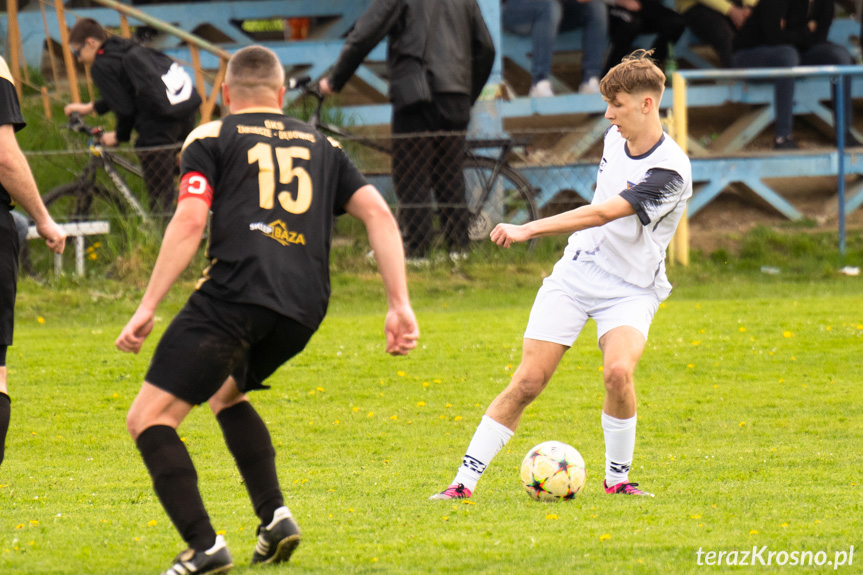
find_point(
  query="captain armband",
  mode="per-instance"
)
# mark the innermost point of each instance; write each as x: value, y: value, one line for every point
x: 195, y: 185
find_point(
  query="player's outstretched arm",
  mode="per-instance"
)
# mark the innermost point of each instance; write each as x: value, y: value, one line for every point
x: 18, y: 180
x: 402, y: 331
x: 589, y: 216
x: 182, y: 238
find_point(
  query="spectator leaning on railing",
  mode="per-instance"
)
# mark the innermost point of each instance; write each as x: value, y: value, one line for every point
x: 786, y: 33
x: 715, y: 22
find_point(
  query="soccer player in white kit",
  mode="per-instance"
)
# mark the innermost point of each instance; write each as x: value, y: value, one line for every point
x: 613, y: 270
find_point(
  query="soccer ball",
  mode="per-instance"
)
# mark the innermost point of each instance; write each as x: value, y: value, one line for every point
x: 553, y: 471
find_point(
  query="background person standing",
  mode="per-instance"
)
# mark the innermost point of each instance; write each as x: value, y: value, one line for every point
x: 439, y: 57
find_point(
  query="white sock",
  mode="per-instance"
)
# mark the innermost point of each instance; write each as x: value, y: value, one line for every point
x: 619, y: 447
x: 488, y: 439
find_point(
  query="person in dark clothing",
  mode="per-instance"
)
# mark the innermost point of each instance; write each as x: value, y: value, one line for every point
x: 786, y: 33
x: 715, y: 22
x: 159, y: 137
x: 271, y: 187
x: 440, y: 55
x: 629, y: 18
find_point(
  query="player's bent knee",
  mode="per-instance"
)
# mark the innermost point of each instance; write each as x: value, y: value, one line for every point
x: 528, y: 386
x: 617, y: 377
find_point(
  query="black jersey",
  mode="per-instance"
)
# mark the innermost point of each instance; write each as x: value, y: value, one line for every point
x: 276, y: 185
x: 10, y: 113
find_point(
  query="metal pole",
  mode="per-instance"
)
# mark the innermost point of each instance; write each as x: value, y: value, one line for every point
x: 681, y: 135
x: 840, y: 148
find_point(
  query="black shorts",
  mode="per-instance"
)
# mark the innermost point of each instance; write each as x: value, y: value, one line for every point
x: 211, y: 339
x: 8, y: 274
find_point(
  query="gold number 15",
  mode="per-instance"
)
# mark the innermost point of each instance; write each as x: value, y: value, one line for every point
x: 263, y: 155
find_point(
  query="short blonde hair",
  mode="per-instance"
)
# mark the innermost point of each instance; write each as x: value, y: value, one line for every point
x: 253, y: 68
x: 635, y: 74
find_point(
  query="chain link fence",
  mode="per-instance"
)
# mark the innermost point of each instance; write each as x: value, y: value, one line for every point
x: 448, y: 190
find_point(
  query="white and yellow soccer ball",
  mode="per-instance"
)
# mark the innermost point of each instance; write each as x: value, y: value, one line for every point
x: 553, y: 471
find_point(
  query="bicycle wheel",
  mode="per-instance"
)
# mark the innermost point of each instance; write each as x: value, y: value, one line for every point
x: 76, y: 201
x: 496, y: 193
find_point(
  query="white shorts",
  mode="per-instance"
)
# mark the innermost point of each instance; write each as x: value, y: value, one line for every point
x: 578, y: 290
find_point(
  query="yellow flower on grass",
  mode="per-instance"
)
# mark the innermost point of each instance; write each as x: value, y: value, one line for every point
x: 97, y: 245
x: 152, y: 523
x: 742, y: 329
x: 787, y: 334
x: 400, y: 373
x: 355, y: 409
x: 40, y: 319
x: 421, y: 404
x: 94, y: 256
x: 320, y: 389
x: 551, y: 516
x: 222, y: 532
x: 753, y: 532
x: 604, y: 537
x: 457, y: 418
x: 690, y: 365
x: 695, y: 516
x: 371, y: 414
x: 394, y: 417
x: 425, y: 384
x: 742, y: 423
x: 19, y: 526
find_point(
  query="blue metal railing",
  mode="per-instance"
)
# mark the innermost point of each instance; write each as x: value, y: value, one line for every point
x: 834, y: 73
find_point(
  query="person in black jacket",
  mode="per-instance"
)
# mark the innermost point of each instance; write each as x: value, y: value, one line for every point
x: 786, y: 33
x: 91, y: 46
x: 440, y: 55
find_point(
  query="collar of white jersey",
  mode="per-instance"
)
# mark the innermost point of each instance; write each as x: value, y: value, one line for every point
x: 261, y: 110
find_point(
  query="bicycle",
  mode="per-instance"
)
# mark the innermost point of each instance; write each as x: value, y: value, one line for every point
x: 495, y: 191
x: 87, y: 199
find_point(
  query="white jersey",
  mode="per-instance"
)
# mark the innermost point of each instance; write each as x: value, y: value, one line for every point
x: 657, y: 184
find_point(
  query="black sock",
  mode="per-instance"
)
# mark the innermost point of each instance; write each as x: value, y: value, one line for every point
x: 250, y: 444
x: 176, y: 484
x: 5, y: 411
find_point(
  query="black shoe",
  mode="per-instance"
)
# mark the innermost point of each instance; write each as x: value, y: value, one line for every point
x: 278, y: 540
x: 216, y: 559
x: 785, y: 143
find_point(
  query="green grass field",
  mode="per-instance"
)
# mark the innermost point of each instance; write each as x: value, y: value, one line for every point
x: 749, y: 434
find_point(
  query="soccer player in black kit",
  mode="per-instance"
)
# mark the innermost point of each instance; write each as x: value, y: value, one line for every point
x: 274, y: 186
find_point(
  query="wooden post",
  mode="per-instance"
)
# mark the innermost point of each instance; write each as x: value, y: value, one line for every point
x: 46, y: 103
x: 681, y: 133
x: 199, y: 74
x: 14, y: 38
x: 55, y: 77
x: 210, y: 103
x: 25, y: 69
x: 125, y: 32
x: 71, y: 72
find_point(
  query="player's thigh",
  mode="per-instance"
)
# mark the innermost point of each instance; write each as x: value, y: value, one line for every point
x: 635, y: 311
x: 557, y: 316
x: 285, y: 339
x: 203, y: 345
